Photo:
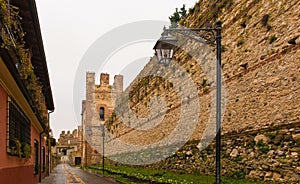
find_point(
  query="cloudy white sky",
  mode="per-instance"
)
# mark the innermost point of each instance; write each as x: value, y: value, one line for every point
x: 70, y: 27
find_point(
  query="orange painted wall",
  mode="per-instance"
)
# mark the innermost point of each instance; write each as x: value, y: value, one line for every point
x: 10, y: 165
x: 3, y: 116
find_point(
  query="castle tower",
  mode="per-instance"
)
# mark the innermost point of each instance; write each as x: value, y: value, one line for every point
x: 89, y: 103
x: 96, y: 110
x: 75, y: 133
x: 117, y: 87
x: 104, y: 79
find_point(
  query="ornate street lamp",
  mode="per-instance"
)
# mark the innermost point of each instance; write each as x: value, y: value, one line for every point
x: 89, y: 131
x: 164, y: 49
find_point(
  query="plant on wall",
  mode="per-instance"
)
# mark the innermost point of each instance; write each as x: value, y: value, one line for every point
x: 16, y: 149
x: 12, y: 36
x: 36, y: 168
x: 49, y: 144
x: 27, y: 151
x: 20, y: 149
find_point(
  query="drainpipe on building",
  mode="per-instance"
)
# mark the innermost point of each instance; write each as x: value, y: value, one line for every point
x: 40, y: 168
x: 43, y: 132
x: 49, y: 150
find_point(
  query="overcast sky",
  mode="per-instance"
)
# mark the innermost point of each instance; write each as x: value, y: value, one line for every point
x: 70, y: 27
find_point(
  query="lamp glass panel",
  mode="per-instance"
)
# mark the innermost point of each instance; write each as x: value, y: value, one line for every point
x: 89, y: 132
x: 171, y: 53
x: 166, y: 53
x: 159, y: 54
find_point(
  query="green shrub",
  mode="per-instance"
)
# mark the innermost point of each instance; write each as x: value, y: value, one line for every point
x: 238, y: 159
x: 17, y: 148
x: 262, y: 147
x: 269, y: 27
x: 177, y: 16
x: 240, y: 42
x: 222, y: 66
x: 27, y: 151
x: 297, y: 142
x: 265, y: 19
x: 272, y: 39
x: 238, y: 175
x: 191, y: 10
x: 251, y: 144
x: 223, y: 48
x: 204, y: 83
x: 271, y: 135
x: 203, y: 156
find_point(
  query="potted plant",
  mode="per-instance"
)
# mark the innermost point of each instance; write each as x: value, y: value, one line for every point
x: 16, y: 149
x: 27, y: 151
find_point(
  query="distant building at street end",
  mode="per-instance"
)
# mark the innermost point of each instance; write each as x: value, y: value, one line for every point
x: 68, y: 147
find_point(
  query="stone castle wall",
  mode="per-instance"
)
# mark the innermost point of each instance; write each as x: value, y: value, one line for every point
x: 68, y: 138
x: 261, y: 78
x: 260, y: 67
x: 268, y: 154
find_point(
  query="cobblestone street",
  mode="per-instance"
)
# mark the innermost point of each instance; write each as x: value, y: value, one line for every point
x: 65, y: 174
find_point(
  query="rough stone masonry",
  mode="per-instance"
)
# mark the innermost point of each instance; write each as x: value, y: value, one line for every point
x: 261, y: 70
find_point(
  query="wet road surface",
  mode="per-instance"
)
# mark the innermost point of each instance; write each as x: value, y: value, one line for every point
x: 65, y: 174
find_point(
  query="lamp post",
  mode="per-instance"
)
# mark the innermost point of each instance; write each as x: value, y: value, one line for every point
x: 103, y: 136
x: 89, y: 131
x: 164, y: 50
